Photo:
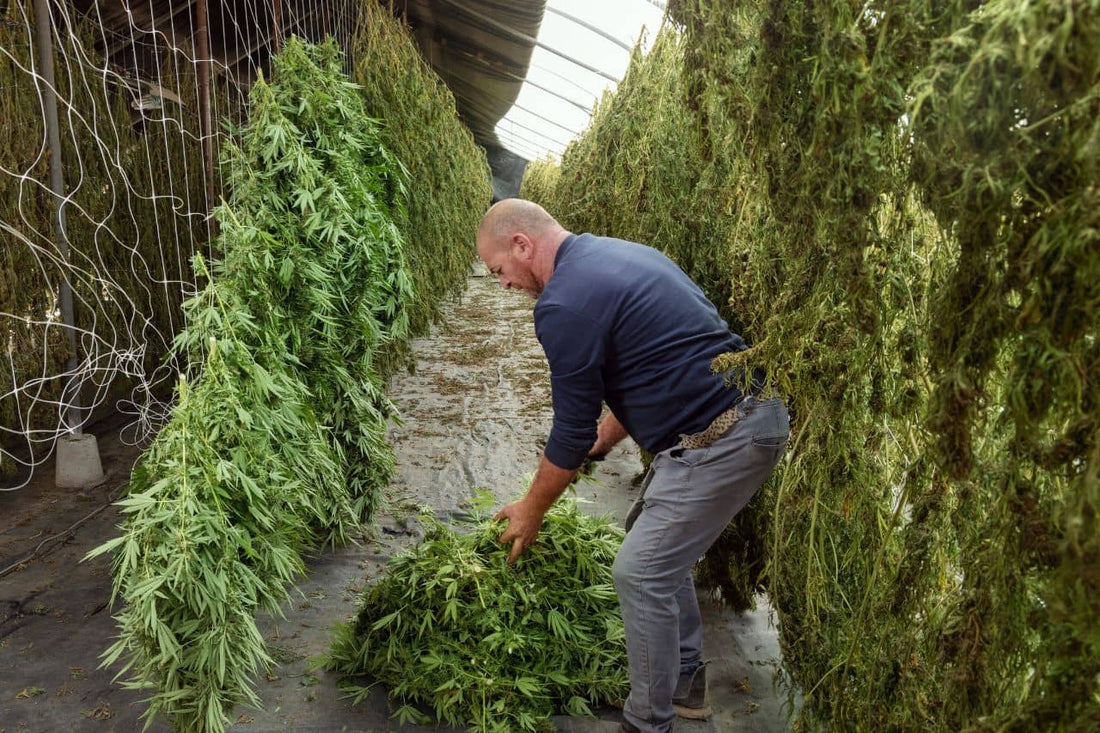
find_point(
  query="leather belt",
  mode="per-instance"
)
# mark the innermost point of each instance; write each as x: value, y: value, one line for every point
x: 718, y: 427
x: 722, y: 424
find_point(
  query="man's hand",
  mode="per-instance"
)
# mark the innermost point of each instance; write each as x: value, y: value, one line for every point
x: 525, y: 516
x: 589, y: 466
x: 524, y: 523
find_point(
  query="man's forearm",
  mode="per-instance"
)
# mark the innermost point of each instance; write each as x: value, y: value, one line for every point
x: 525, y: 516
x: 608, y: 435
x: 549, y: 483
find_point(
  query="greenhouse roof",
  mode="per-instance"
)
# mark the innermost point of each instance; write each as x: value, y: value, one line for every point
x: 582, y: 49
x: 525, y: 73
x: 481, y: 48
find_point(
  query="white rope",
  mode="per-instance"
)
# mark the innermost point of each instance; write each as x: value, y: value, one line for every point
x: 126, y: 286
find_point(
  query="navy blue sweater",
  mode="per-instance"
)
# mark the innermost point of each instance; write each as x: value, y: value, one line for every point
x: 622, y: 324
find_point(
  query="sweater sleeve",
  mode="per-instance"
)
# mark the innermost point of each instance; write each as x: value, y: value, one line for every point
x: 575, y: 347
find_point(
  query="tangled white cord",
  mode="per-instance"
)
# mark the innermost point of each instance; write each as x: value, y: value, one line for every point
x: 119, y: 331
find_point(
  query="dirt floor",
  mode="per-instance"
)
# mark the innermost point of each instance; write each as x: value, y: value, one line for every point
x: 475, y: 414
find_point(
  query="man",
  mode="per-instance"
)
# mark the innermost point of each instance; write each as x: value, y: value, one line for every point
x: 621, y: 324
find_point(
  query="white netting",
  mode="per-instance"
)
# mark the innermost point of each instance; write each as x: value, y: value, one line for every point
x: 137, y: 173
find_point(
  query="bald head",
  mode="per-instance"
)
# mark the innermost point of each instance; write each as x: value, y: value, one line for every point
x: 517, y: 240
x: 508, y: 216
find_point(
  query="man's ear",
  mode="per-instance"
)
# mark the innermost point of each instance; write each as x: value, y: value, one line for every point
x: 521, y: 243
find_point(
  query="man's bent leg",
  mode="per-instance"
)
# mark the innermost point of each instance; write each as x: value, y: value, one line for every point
x: 647, y: 596
x: 691, y: 627
x: 690, y: 498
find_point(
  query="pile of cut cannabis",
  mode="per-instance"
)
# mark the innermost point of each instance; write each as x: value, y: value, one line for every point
x: 452, y: 628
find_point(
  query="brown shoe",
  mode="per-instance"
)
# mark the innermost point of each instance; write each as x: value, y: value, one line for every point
x: 690, y: 698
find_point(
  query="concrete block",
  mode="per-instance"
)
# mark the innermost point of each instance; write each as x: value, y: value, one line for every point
x: 78, y: 465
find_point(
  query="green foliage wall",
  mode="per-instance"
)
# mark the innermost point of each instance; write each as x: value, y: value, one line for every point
x: 450, y: 185
x: 540, y: 178
x: 1006, y: 118
x: 899, y: 202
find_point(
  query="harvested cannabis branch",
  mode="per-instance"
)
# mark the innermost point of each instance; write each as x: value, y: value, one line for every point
x: 449, y: 181
x: 217, y: 516
x: 320, y: 258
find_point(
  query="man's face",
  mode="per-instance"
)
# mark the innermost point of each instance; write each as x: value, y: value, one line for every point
x: 510, y: 263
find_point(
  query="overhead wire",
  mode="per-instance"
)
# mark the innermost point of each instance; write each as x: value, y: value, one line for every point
x: 527, y: 150
x: 544, y: 118
x: 516, y: 136
x: 536, y: 132
x: 520, y: 36
x: 516, y: 77
x: 563, y: 77
x: 585, y: 24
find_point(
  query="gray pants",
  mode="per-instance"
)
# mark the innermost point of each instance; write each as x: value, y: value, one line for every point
x: 687, y: 499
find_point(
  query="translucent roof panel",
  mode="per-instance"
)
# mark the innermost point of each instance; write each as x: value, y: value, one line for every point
x: 583, y: 48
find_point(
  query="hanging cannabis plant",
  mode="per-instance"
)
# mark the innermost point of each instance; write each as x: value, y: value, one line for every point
x: 450, y: 184
x: 277, y: 443
x: 453, y: 629
x: 899, y: 201
x: 325, y: 267
x: 217, y: 516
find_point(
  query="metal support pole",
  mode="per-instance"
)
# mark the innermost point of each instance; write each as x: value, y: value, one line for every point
x: 44, y: 32
x: 206, y: 119
x: 277, y: 36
